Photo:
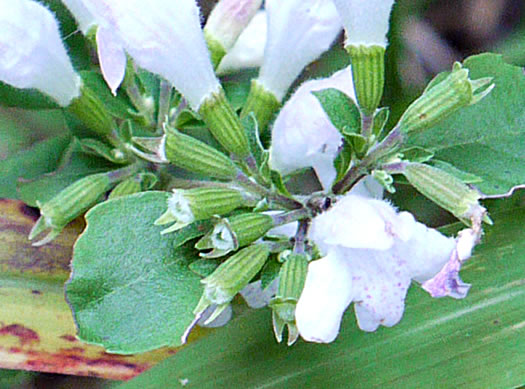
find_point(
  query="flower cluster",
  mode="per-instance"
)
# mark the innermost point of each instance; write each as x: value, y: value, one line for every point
x: 338, y: 244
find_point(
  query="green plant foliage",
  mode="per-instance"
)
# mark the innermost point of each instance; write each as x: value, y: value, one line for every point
x: 73, y: 166
x: 478, y: 342
x: 42, y: 158
x: 341, y: 110
x: 488, y: 138
x: 130, y: 289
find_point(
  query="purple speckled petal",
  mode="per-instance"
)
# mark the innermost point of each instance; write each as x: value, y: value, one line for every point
x: 112, y: 58
x: 447, y: 282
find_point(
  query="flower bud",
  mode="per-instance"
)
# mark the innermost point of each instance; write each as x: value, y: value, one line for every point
x: 188, y: 205
x: 89, y: 109
x: 234, y: 232
x: 224, y: 124
x: 68, y: 204
x: 225, y: 23
x: 132, y: 185
x: 230, y: 277
x: 441, y: 100
x: 196, y: 156
x: 446, y: 190
x: 291, y: 282
x: 32, y: 54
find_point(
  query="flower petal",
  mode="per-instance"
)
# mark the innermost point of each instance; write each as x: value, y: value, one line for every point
x: 327, y: 292
x: 112, y: 58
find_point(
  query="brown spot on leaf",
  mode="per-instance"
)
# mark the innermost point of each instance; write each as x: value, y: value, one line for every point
x: 30, y: 212
x: 69, y: 338
x: 24, y: 334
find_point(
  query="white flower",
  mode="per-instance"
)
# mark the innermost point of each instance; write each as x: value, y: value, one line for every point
x: 32, y: 54
x: 163, y: 37
x: 229, y: 18
x: 85, y: 19
x: 248, y: 51
x: 299, y: 31
x: 365, y: 21
x: 303, y: 136
x: 371, y: 255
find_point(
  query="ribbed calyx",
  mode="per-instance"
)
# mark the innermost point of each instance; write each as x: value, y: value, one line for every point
x: 224, y: 124
x: 188, y: 205
x: 447, y: 191
x: 262, y: 103
x: 442, y: 99
x: 291, y: 282
x: 196, y: 156
x: 368, y: 71
x: 230, y: 278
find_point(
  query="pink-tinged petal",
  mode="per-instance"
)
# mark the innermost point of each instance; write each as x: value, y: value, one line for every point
x: 447, y: 282
x: 112, y: 58
x: 327, y: 292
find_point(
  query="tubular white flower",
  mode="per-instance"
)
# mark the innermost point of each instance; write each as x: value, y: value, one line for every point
x: 32, y: 54
x: 302, y: 134
x: 85, y: 19
x: 299, y: 31
x: 366, y: 21
x: 163, y: 37
x: 248, y: 51
x: 229, y: 18
x: 371, y: 255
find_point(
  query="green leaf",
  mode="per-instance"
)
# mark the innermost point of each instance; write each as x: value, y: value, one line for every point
x: 486, y: 139
x: 31, y: 163
x: 478, y: 342
x: 467, y: 178
x: 130, y: 290
x: 270, y: 271
x: 73, y: 167
x: 342, y: 161
x: 417, y: 154
x: 341, y: 110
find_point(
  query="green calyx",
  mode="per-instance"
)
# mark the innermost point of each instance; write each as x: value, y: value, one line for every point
x: 68, y: 204
x: 237, y: 231
x: 292, y: 277
x: 446, y: 97
x: 91, y: 111
x: 262, y: 103
x: 224, y: 124
x: 196, y: 156
x: 230, y: 278
x: 216, y: 49
x: 368, y: 72
x: 188, y: 205
x: 447, y: 191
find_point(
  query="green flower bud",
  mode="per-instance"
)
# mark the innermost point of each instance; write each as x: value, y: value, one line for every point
x: 196, y: 156
x: 188, y: 205
x: 262, y: 103
x: 224, y: 124
x: 291, y: 282
x: 447, y: 191
x: 230, y: 278
x: 136, y: 184
x: 368, y: 72
x: 91, y: 111
x: 68, y: 204
x: 237, y: 231
x: 441, y: 100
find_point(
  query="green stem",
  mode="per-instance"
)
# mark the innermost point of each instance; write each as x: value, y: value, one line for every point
x: 392, y: 141
x: 273, y: 197
x: 164, y: 103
